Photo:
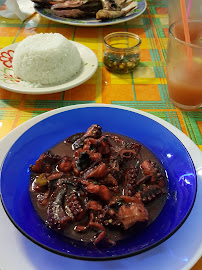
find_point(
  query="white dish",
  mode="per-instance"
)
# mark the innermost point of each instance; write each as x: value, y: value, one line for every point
x: 9, y: 82
x: 92, y: 22
x: 181, y: 251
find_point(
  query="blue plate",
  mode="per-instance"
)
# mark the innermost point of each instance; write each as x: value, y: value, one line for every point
x: 92, y: 22
x: 48, y: 132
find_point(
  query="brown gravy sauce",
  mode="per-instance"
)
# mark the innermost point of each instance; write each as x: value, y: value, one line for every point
x: 154, y: 207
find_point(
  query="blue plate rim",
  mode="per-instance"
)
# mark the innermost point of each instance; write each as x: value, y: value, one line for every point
x: 88, y: 258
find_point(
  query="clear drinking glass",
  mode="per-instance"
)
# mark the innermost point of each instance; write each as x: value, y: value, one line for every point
x: 194, y: 10
x: 184, y: 65
x: 121, y: 52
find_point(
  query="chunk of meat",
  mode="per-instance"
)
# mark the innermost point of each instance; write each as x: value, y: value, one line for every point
x: 109, y: 180
x: 44, y: 163
x: 68, y: 4
x: 133, y: 213
x: 69, y: 13
x: 97, y: 172
x: 74, y: 207
x: 104, y: 146
x: 54, y: 175
x: 116, y: 11
x: 148, y: 167
x: 65, y: 164
x: 56, y: 216
x: 88, y: 7
x: 46, y: 3
x: 93, y: 205
x: 100, y: 190
x: 93, y: 131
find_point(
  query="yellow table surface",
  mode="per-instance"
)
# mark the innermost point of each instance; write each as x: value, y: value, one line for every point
x: 145, y: 89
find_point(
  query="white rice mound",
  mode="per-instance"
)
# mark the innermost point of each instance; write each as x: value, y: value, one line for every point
x: 46, y: 59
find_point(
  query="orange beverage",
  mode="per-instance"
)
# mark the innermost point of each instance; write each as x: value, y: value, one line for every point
x: 184, y: 69
x: 185, y: 85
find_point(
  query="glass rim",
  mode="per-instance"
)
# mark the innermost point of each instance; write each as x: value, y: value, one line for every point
x: 181, y: 41
x: 134, y: 36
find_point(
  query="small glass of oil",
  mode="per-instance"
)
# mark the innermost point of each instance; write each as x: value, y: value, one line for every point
x: 121, y: 52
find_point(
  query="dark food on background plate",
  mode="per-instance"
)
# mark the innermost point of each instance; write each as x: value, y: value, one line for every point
x: 101, y: 9
x: 98, y: 187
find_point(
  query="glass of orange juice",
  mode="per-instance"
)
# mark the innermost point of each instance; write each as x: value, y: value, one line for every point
x: 184, y: 65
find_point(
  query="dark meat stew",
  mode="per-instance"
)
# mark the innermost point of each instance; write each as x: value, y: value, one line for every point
x: 97, y: 187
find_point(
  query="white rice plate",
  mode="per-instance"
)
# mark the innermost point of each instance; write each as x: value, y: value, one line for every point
x: 46, y: 59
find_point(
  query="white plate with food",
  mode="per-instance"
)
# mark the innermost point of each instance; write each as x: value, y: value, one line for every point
x: 10, y: 81
x: 84, y: 13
